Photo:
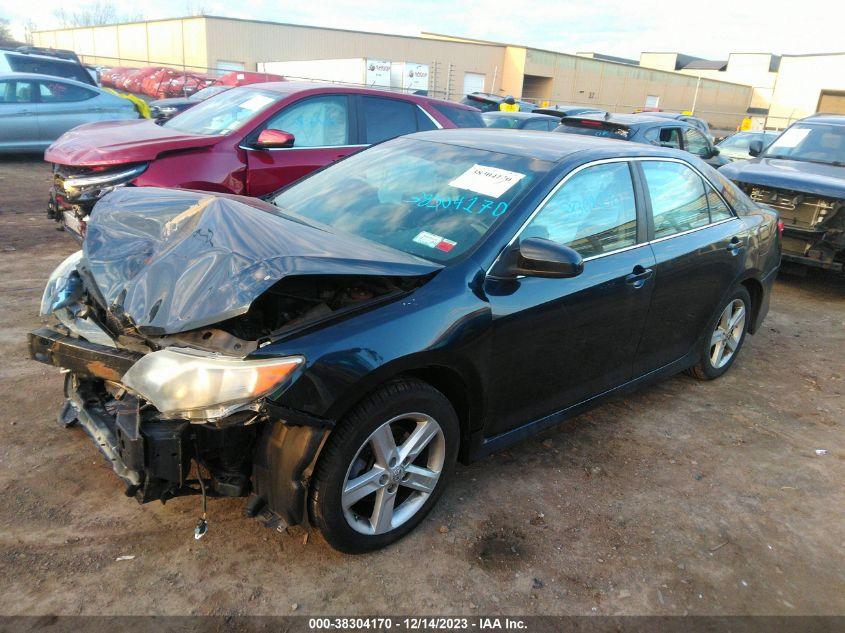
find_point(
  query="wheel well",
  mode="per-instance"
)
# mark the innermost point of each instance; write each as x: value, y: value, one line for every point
x: 755, y: 289
x: 452, y: 385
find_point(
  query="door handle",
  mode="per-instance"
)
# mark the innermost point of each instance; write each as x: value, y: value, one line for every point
x: 639, y: 276
x: 734, y: 246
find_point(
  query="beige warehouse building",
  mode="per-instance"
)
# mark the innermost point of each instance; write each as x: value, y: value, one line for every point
x: 455, y: 65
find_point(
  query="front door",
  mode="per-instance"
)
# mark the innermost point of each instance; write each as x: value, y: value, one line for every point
x: 557, y: 342
x: 699, y: 246
x: 18, y: 118
x: 323, y: 133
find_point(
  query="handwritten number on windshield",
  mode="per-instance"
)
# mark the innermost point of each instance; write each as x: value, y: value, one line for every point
x: 473, y: 205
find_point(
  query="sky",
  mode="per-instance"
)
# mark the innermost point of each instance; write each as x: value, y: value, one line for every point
x: 709, y: 29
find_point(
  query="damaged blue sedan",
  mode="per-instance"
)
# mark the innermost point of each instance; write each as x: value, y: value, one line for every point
x: 330, y: 353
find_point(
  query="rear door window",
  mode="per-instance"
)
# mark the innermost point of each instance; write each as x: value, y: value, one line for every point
x: 386, y: 118
x: 665, y: 136
x: 594, y: 212
x: 678, y: 198
x: 696, y: 143
x: 59, y: 92
x: 315, y: 122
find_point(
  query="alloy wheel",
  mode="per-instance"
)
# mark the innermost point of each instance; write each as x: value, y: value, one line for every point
x: 393, y: 473
x: 727, y: 334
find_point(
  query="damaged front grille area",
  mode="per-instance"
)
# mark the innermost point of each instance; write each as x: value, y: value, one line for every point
x: 75, y: 190
x: 796, y: 209
x: 814, y: 226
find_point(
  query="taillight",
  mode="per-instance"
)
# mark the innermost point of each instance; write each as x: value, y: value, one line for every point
x: 780, y: 227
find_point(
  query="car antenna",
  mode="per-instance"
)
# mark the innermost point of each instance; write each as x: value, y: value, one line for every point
x: 202, y: 525
x: 607, y: 116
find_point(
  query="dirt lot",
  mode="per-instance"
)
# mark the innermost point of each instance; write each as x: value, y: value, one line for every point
x: 687, y: 497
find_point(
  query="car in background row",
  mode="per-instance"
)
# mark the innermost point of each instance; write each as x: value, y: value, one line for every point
x: 249, y: 140
x: 35, y: 110
x: 701, y: 124
x: 332, y: 353
x: 163, y: 109
x: 562, y: 110
x: 802, y: 175
x: 641, y: 128
x: 41, y: 63
x: 520, y: 121
x: 489, y: 102
x: 737, y: 146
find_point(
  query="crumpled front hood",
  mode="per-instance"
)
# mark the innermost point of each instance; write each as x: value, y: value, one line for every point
x: 801, y: 176
x: 175, y: 260
x: 119, y: 142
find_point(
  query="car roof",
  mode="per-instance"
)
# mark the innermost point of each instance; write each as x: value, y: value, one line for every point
x: 293, y: 87
x: 38, y: 76
x: 39, y: 55
x: 824, y: 117
x: 546, y: 146
x: 519, y: 115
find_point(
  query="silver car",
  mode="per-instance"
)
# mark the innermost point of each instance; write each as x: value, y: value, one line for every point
x: 35, y: 110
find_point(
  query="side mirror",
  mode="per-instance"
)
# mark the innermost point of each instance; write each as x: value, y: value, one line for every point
x: 538, y: 257
x: 755, y: 148
x: 272, y: 139
x: 714, y: 151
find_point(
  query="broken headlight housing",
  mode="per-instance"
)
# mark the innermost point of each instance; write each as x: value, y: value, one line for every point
x: 59, y: 286
x: 196, y: 385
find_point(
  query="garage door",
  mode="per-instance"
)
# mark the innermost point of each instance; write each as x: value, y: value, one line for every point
x: 473, y: 82
x: 833, y: 102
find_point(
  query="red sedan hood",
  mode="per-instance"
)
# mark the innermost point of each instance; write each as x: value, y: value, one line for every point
x: 118, y: 142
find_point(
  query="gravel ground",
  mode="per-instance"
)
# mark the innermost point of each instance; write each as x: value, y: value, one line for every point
x: 686, y: 497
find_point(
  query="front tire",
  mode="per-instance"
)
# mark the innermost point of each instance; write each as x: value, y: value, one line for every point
x: 724, y: 337
x: 384, y: 466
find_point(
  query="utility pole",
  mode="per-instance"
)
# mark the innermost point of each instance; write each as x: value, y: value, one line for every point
x: 695, y: 97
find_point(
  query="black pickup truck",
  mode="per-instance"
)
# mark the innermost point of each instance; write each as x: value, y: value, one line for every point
x: 802, y: 175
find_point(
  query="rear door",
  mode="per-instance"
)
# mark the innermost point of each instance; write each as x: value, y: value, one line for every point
x: 696, y: 143
x: 18, y: 117
x: 666, y: 136
x: 63, y: 106
x: 699, y: 247
x: 557, y: 342
x: 324, y: 130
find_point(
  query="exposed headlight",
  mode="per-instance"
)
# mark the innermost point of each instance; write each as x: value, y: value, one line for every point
x: 166, y: 110
x: 195, y: 385
x: 59, y: 284
x: 74, y: 185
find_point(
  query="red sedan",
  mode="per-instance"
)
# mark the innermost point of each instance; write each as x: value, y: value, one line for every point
x: 249, y: 140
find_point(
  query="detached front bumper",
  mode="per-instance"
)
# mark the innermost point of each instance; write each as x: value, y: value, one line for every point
x: 270, y: 455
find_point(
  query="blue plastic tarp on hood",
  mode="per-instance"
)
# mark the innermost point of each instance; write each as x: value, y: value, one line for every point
x: 175, y: 260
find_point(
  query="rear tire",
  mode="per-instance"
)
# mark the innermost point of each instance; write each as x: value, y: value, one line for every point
x: 384, y: 466
x: 724, y: 337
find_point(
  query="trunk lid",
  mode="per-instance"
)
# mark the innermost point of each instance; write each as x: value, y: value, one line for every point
x: 174, y: 260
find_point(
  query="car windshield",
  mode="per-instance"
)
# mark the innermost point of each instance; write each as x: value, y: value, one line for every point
x: 742, y: 141
x: 492, y: 119
x: 205, y: 93
x: 224, y: 113
x: 433, y: 200
x: 811, y: 142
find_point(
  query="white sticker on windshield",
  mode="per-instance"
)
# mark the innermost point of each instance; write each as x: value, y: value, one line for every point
x: 488, y: 181
x: 792, y: 137
x: 428, y: 239
x: 254, y: 104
